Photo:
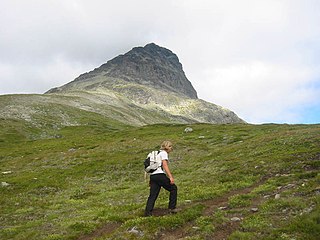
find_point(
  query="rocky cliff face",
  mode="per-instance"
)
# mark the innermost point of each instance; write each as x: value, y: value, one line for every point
x: 150, y: 65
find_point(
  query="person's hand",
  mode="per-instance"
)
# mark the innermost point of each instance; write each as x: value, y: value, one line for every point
x: 171, y: 181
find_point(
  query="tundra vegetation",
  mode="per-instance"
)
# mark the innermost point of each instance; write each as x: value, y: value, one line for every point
x: 235, y: 181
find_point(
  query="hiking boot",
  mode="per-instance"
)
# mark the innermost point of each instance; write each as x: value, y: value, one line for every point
x: 146, y: 214
x: 173, y: 211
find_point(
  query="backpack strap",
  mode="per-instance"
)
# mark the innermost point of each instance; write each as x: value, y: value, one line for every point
x: 158, y: 152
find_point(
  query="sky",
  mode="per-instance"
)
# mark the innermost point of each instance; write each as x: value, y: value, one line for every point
x: 258, y: 58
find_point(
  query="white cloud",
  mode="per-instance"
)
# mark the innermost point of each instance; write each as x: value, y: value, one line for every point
x: 259, y: 91
x: 31, y: 78
x: 265, y: 54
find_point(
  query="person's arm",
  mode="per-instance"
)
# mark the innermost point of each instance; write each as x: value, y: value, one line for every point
x: 167, y: 170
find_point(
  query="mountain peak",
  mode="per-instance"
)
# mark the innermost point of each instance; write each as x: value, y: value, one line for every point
x: 150, y: 65
x: 143, y: 86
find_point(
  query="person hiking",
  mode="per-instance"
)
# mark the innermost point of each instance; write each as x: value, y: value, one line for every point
x: 162, y: 177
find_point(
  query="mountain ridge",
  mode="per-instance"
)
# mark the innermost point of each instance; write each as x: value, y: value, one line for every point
x: 144, y: 86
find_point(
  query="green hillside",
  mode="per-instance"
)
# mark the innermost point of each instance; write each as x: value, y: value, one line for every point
x: 86, y: 182
x: 52, y: 111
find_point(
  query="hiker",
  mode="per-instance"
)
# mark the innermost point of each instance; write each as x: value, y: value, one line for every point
x: 162, y: 177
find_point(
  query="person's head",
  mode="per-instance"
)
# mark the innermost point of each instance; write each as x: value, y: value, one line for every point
x: 167, y: 146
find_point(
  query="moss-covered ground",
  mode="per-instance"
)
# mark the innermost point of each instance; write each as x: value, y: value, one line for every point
x: 87, y: 182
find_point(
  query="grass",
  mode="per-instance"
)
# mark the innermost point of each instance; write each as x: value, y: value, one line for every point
x: 70, y: 181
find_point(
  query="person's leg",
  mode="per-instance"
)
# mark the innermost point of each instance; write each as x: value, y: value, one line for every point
x: 172, y: 188
x: 154, y: 192
x: 173, y: 196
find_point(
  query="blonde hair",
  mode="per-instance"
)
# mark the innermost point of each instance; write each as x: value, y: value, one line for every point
x: 165, y: 145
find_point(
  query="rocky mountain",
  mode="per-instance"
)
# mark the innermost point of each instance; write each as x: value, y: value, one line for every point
x: 150, y: 65
x: 147, y: 85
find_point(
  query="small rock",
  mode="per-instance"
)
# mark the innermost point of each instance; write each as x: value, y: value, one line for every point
x: 134, y: 230
x: 317, y: 191
x: 235, y: 219
x: 188, y: 129
x: 4, y: 184
x: 254, y: 209
x: 222, y: 208
x: 285, y: 175
x: 277, y: 196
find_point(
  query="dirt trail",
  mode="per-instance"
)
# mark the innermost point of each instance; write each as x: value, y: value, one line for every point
x: 104, y: 230
x: 221, y: 232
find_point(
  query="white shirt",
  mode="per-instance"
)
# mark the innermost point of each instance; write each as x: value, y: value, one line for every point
x: 163, y: 155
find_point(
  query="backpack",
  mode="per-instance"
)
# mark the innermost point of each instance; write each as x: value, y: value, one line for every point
x: 151, y: 163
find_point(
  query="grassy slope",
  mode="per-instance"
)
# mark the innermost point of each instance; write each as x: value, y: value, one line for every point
x: 77, y: 108
x: 130, y: 104
x: 91, y: 177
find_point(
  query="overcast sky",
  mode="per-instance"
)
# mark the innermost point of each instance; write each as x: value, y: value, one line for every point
x: 259, y: 58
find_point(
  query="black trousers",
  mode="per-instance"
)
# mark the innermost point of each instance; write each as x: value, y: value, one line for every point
x: 156, y: 182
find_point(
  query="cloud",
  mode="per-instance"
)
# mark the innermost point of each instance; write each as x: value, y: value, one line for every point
x: 29, y: 78
x: 261, y: 92
x: 261, y: 58
x: 258, y: 58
